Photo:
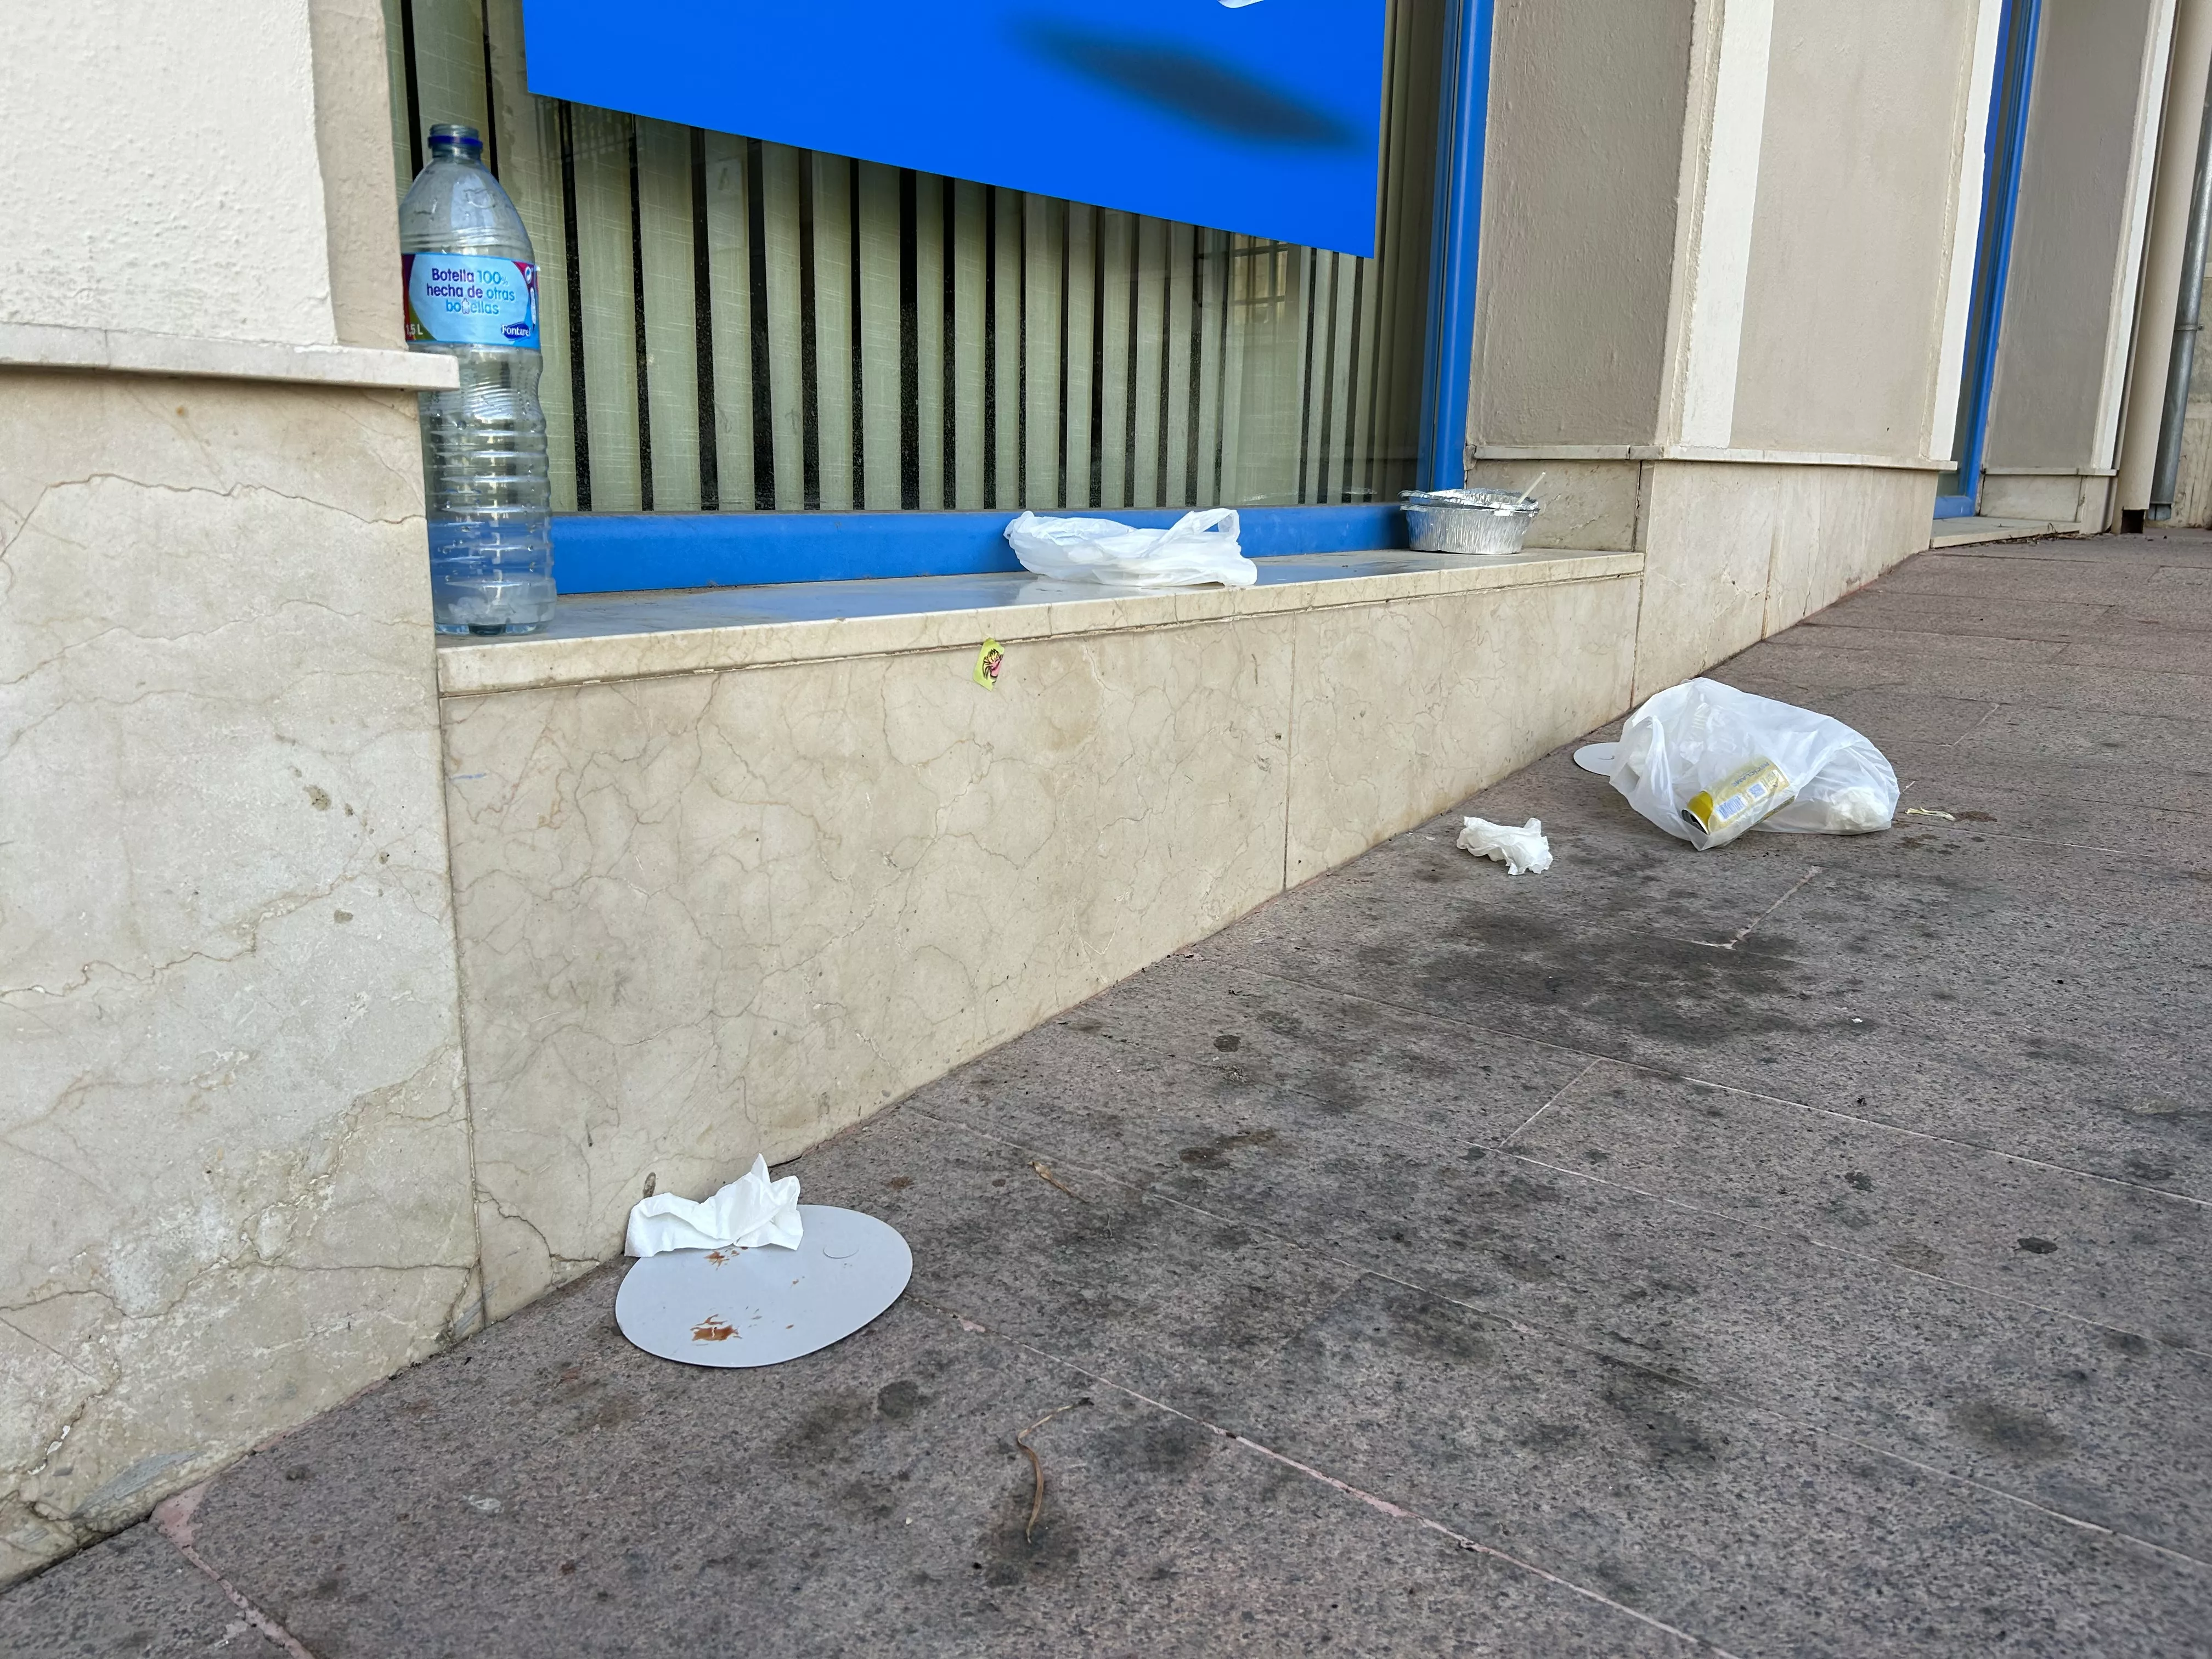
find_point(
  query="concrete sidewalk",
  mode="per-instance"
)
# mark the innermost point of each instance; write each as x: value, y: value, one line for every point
x: 1802, y: 1247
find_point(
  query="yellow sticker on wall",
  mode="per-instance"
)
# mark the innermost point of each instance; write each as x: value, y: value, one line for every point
x: 988, y: 661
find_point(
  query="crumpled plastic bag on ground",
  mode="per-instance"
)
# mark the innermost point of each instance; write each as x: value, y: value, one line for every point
x: 1522, y: 851
x: 1199, y: 548
x: 750, y: 1211
x: 1705, y: 763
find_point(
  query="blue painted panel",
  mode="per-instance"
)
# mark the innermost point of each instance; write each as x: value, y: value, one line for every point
x: 1954, y: 506
x: 1261, y: 116
x: 625, y: 552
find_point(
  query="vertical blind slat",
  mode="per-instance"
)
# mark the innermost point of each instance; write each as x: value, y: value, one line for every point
x: 672, y: 334
x: 729, y: 279
x: 881, y: 342
x: 1213, y: 306
x: 449, y: 61
x: 1313, y: 269
x: 1175, y: 411
x: 1344, y: 278
x: 1147, y: 364
x: 1078, y: 325
x: 1358, y: 430
x: 1236, y: 277
x: 831, y: 270
x: 608, y: 307
x: 1116, y: 254
x: 969, y: 315
x: 1042, y: 221
x: 929, y: 337
x: 780, y: 321
x: 396, y: 72
x: 1003, y: 410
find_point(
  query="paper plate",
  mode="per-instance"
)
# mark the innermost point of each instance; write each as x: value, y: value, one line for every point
x: 762, y: 1307
x: 1597, y: 758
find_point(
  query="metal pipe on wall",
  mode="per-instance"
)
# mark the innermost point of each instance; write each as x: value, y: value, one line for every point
x: 2187, y: 316
x: 2160, y: 279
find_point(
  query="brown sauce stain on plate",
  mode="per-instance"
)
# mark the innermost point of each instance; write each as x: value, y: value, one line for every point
x: 712, y: 1329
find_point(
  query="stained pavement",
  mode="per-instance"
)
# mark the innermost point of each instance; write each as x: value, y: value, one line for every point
x: 1798, y: 1249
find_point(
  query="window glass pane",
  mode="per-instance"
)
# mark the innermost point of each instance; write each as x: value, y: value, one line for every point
x: 734, y: 326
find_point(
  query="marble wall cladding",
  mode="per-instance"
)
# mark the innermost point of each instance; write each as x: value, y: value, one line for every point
x: 1710, y: 543
x: 233, y: 1152
x: 1404, y: 709
x: 1837, y: 529
x: 1594, y: 504
x: 714, y: 915
x: 2046, y: 498
x: 1735, y: 552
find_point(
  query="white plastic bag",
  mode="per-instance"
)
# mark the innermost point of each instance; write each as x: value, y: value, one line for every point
x: 1705, y: 761
x: 1197, y: 548
x: 1523, y: 850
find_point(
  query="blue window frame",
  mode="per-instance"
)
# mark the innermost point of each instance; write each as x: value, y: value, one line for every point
x: 623, y: 552
x: 1449, y: 359
x: 1957, y: 491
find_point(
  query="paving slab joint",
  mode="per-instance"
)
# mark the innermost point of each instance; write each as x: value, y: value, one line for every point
x: 173, y: 1519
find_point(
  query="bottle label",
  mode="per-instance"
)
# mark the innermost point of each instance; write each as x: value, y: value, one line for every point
x: 465, y: 299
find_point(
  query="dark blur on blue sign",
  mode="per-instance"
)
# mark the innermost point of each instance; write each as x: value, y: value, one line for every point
x: 1261, y: 116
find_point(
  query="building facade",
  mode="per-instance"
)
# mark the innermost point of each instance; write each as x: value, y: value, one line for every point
x: 353, y: 985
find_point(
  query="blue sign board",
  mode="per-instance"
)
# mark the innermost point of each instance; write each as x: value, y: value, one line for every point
x: 1260, y: 116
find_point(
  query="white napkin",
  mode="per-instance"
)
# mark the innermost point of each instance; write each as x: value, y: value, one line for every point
x: 750, y: 1211
x: 1520, y: 850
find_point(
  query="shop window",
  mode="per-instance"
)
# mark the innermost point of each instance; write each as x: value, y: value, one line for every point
x: 731, y: 325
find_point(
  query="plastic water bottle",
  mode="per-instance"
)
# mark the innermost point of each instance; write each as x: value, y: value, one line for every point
x: 471, y: 282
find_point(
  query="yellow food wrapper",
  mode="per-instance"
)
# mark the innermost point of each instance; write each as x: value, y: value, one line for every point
x: 1740, y: 800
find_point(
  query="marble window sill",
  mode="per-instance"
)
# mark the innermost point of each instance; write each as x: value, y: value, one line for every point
x: 621, y: 636
x: 53, y: 345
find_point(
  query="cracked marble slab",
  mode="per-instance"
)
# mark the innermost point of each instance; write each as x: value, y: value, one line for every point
x: 233, y: 1140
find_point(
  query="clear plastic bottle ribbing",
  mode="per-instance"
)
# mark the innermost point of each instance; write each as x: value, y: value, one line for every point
x: 490, y: 493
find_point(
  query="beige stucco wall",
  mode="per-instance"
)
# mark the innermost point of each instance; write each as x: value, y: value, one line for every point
x: 1844, y: 303
x: 352, y: 148
x: 1724, y: 388
x: 1580, y: 174
x: 2055, y: 401
x: 159, y: 170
